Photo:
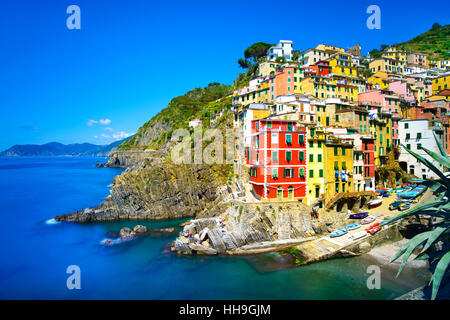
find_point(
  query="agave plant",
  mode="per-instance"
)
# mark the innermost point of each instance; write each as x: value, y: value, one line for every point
x: 435, y: 242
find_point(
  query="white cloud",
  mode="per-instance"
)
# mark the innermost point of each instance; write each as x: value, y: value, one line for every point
x: 109, y: 129
x: 104, y: 122
x: 106, y: 136
x: 121, y: 135
x: 91, y: 122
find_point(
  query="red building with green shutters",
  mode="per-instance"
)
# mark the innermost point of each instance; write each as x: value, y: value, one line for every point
x: 277, y: 158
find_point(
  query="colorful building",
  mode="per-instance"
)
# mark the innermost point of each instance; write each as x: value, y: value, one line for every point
x: 316, y: 166
x: 277, y: 159
x: 441, y: 83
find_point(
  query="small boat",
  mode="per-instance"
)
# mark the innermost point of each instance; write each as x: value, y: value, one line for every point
x: 374, y: 203
x: 360, y: 215
x: 399, y: 190
x: 357, y: 235
x: 338, y: 233
x: 353, y: 226
x: 375, y: 225
x: 385, y: 195
x: 368, y: 220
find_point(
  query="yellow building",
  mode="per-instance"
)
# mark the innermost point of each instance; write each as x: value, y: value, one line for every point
x: 267, y: 67
x: 395, y: 54
x: 324, y: 88
x: 380, y: 129
x: 379, y: 80
x: 387, y: 65
x: 330, y: 49
x: 339, y: 163
x: 341, y: 64
x: 316, y: 165
x: 440, y: 83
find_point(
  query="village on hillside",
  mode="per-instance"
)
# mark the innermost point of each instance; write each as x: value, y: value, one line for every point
x: 327, y: 124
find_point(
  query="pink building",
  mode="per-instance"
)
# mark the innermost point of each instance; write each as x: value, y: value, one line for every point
x: 385, y: 100
x: 417, y: 59
x: 401, y: 88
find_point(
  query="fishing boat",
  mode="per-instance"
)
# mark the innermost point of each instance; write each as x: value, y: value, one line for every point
x: 404, y: 206
x: 374, y: 228
x: 367, y: 220
x: 353, y: 226
x: 338, y: 233
x: 360, y: 215
x: 374, y: 203
x: 357, y: 235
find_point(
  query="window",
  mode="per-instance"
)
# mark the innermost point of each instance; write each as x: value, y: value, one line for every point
x: 275, y: 173
x: 311, y: 158
x: 343, y: 151
x: 419, y: 146
x: 301, y: 172
x: 408, y: 136
x: 311, y: 144
x: 319, y: 144
x: 288, y: 173
x: 419, y: 135
x: 301, y: 156
x: 337, y: 118
x: 406, y: 125
x: 344, y: 165
x: 289, y: 126
x: 320, y: 173
x: 301, y: 139
x: 288, y: 155
x: 275, y: 156
x: 311, y: 173
x: 336, y: 152
x: 337, y: 187
x: 336, y: 165
x: 288, y: 139
x: 269, y: 124
x: 319, y: 158
x: 274, y: 138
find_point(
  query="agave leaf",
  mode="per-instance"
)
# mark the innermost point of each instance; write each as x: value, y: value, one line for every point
x: 441, y: 148
x: 412, y: 245
x: 431, y: 166
x: 422, y: 256
x: 435, y: 234
x: 417, y: 208
x: 442, y: 160
x: 438, y: 274
x: 400, y: 252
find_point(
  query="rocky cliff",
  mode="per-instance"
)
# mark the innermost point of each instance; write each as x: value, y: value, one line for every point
x: 152, y: 186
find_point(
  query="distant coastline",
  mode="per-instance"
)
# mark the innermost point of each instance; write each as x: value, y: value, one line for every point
x: 58, y: 149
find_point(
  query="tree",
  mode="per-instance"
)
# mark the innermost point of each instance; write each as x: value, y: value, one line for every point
x: 375, y: 53
x: 257, y: 50
x: 280, y: 59
x: 244, y: 63
x: 434, y: 242
x: 436, y: 26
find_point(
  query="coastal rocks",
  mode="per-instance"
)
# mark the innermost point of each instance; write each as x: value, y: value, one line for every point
x: 160, y: 192
x: 125, y: 233
x: 246, y: 225
x: 139, y: 229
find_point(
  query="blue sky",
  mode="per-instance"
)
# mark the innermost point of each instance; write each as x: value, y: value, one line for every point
x: 131, y: 57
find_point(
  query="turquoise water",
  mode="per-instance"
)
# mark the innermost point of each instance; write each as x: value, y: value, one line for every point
x: 35, y: 255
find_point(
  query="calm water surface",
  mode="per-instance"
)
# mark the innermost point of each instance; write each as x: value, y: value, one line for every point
x: 35, y: 254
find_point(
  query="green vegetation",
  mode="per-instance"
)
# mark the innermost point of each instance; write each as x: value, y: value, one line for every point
x: 244, y: 63
x: 434, y: 242
x: 257, y: 50
x: 202, y: 103
x: 435, y: 42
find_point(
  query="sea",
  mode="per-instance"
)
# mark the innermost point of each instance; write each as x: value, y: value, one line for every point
x: 38, y: 254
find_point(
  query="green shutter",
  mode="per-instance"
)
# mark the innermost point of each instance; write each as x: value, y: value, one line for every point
x: 301, y: 139
x: 301, y: 156
x: 311, y: 173
x: 288, y: 156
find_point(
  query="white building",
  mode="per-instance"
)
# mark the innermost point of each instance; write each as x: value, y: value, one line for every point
x: 243, y: 121
x: 415, y: 134
x: 303, y: 105
x: 282, y: 49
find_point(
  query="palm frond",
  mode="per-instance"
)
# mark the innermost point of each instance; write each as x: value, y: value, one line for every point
x: 412, y: 245
x: 441, y: 148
